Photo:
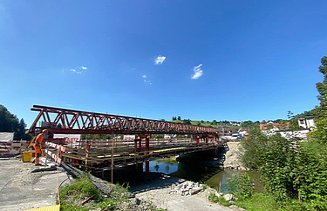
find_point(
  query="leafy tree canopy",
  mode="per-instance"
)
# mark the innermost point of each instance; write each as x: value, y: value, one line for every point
x: 10, y: 123
x: 320, y: 112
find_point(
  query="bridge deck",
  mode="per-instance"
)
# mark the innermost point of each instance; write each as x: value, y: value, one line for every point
x: 121, y: 153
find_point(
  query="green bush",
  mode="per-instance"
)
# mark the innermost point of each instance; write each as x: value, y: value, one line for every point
x: 78, y: 190
x: 241, y: 186
x: 258, y: 202
x: 74, y: 194
x: 253, y: 148
x: 311, y: 174
x: 291, y: 170
x: 220, y: 200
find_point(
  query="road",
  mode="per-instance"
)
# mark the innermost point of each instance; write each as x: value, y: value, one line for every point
x: 20, y: 189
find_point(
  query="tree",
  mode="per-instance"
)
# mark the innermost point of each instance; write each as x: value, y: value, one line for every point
x: 320, y: 113
x: 9, y: 123
x: 187, y: 121
x: 249, y: 124
x: 253, y: 148
x: 20, y: 132
x: 292, y: 169
x: 179, y: 118
x: 96, y: 136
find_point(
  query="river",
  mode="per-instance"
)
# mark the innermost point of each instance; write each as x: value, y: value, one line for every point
x: 208, y: 171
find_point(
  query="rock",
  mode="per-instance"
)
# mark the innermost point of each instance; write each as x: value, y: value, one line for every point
x: 218, y: 194
x: 186, y: 188
x: 131, y: 195
x: 195, y: 190
x: 228, y: 197
x: 236, y: 208
x: 135, y: 201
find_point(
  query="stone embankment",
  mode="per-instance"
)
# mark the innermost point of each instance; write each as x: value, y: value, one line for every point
x: 232, y: 156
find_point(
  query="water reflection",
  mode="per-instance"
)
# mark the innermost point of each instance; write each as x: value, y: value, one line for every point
x: 162, y: 167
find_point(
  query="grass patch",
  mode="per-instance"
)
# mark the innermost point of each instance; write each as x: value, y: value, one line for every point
x: 266, y: 202
x: 220, y: 200
x: 261, y: 202
x: 258, y: 202
x: 81, y: 194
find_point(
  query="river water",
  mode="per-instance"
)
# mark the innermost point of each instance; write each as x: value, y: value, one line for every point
x: 208, y: 171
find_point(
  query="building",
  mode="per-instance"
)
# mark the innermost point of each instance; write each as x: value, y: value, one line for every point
x: 67, y: 139
x: 275, y: 126
x: 227, y: 131
x: 307, y: 122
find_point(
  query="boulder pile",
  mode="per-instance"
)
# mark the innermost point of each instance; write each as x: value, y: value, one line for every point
x: 186, y: 188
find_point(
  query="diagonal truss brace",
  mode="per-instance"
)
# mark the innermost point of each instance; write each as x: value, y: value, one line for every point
x: 67, y: 121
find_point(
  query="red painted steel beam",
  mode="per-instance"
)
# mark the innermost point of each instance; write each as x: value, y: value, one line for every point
x: 67, y: 121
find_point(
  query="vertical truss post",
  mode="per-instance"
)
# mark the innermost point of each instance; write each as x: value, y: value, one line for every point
x: 147, y: 149
x: 197, y: 139
x: 112, y: 159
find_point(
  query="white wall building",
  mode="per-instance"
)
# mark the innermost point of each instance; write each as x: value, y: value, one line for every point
x: 306, y: 123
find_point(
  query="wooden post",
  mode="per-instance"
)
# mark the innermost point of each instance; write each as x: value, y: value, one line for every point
x: 87, y: 149
x: 147, y: 149
x: 112, y: 159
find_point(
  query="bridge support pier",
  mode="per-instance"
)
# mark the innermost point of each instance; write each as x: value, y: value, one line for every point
x: 146, y: 148
x: 147, y: 167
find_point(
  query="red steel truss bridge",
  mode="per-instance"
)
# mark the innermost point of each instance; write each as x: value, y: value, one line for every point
x: 67, y: 121
x: 117, y: 153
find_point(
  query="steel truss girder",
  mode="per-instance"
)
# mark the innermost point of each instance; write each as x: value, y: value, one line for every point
x: 67, y: 121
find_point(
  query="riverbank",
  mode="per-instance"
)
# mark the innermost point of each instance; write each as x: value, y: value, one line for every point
x: 175, y: 194
x: 232, y: 156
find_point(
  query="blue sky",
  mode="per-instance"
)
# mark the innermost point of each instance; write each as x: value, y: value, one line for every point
x: 210, y: 60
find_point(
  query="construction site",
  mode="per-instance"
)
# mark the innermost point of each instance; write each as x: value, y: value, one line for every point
x: 131, y: 144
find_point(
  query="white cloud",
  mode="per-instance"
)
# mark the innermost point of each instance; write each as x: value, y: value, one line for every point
x: 159, y: 60
x: 77, y: 70
x: 145, y: 80
x: 198, y: 72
